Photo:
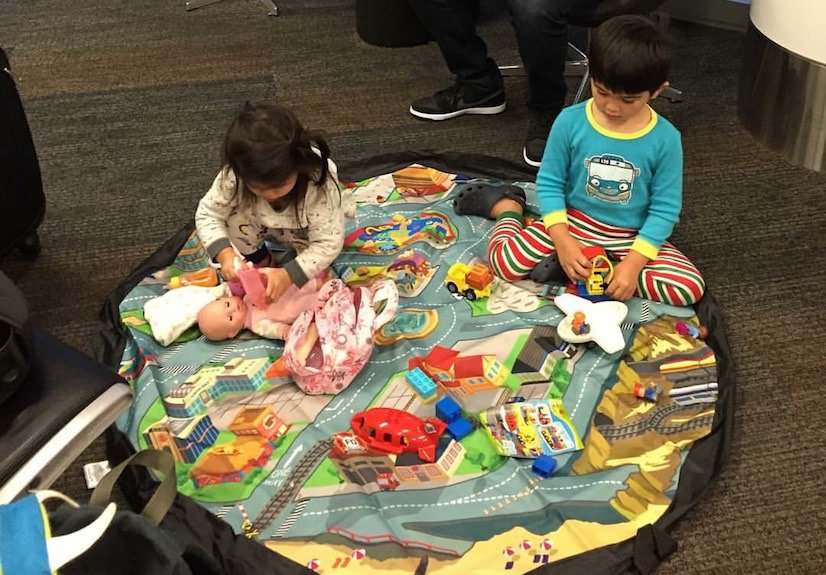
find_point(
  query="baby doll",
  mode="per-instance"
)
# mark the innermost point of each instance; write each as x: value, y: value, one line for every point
x: 225, y: 317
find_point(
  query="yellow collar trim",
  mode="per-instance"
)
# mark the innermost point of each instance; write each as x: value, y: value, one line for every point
x: 589, y: 113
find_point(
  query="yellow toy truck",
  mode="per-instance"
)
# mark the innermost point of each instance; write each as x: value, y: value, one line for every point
x: 472, y: 281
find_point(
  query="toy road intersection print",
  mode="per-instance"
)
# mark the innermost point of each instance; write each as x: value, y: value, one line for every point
x: 287, y: 469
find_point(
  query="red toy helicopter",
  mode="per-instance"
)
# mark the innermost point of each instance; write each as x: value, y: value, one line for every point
x: 396, y: 431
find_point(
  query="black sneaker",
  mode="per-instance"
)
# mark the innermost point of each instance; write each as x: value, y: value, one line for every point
x: 456, y: 101
x: 539, y: 126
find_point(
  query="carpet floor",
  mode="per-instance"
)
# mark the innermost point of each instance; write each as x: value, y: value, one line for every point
x: 128, y: 102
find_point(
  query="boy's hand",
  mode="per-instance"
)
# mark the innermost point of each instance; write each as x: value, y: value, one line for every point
x: 573, y: 261
x: 278, y: 280
x: 226, y: 257
x: 626, y: 277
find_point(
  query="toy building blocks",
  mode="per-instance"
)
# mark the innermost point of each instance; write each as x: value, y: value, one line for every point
x: 471, y: 281
x: 459, y: 428
x: 602, y: 272
x: 421, y: 384
x: 544, y: 466
x: 448, y: 410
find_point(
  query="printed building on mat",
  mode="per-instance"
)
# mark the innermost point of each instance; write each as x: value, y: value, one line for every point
x: 231, y: 462
x: 211, y: 383
x: 185, y: 439
x: 261, y: 421
x: 361, y: 464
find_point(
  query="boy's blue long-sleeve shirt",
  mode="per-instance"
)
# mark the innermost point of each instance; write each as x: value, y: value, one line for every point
x: 629, y: 180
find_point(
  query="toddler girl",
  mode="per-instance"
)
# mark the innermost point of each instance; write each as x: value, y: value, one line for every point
x: 277, y: 183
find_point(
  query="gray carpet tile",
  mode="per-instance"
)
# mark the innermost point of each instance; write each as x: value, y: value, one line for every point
x: 128, y: 102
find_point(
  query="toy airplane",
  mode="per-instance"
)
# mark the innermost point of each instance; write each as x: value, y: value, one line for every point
x: 396, y: 431
x: 603, y: 320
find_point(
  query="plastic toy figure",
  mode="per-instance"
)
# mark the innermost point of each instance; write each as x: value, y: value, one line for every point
x: 650, y: 392
x: 578, y: 325
x: 692, y: 330
x: 472, y: 281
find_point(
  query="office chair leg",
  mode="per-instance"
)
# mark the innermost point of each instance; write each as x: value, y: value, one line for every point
x: 580, y: 91
x: 673, y: 95
x: 272, y: 9
x: 574, y: 66
x: 195, y: 4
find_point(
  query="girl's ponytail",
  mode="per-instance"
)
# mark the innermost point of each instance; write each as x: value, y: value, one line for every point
x: 303, y: 143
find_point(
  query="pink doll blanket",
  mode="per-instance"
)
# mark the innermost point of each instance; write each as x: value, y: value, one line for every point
x: 327, y: 347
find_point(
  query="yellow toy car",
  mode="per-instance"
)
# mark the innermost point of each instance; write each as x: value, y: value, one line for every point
x: 472, y: 281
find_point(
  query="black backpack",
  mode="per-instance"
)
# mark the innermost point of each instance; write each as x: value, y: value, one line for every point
x: 22, y: 203
x: 15, y: 338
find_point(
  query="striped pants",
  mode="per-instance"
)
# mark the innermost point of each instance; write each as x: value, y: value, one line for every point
x: 514, y: 250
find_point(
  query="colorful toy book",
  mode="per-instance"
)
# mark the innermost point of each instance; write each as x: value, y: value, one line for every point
x: 531, y: 428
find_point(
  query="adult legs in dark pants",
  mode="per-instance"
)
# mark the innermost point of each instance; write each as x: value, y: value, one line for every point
x: 542, y: 36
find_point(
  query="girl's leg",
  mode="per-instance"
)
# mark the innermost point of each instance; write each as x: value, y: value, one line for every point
x: 670, y: 278
x: 514, y: 250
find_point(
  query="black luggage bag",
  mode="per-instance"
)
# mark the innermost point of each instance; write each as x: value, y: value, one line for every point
x: 15, y: 340
x: 22, y: 203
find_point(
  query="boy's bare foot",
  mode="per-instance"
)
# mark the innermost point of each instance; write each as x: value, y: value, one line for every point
x: 505, y: 205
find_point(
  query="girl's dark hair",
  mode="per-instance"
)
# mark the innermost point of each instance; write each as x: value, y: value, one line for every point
x: 629, y: 54
x: 266, y: 144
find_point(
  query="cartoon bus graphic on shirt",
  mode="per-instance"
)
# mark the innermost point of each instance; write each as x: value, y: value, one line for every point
x: 610, y: 178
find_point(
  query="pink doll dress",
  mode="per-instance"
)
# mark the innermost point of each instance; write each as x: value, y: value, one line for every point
x: 327, y: 347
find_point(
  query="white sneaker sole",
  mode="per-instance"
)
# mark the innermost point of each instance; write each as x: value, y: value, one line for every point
x: 528, y: 161
x: 481, y: 111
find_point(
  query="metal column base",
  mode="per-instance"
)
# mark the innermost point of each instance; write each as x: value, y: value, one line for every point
x: 272, y: 9
x: 782, y: 101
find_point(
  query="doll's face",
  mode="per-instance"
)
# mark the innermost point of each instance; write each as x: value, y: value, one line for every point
x: 223, y: 318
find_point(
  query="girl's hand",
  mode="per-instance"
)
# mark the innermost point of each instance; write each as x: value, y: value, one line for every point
x: 573, y: 261
x: 226, y: 257
x: 626, y: 277
x: 278, y: 280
